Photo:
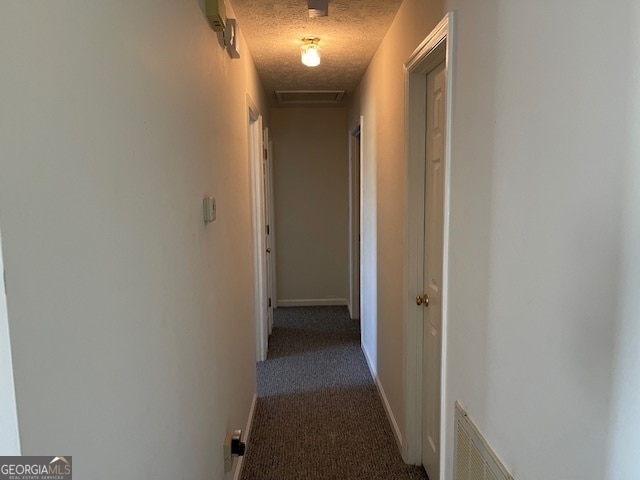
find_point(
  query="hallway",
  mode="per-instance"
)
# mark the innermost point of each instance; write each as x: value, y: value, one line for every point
x: 319, y: 415
x: 130, y: 322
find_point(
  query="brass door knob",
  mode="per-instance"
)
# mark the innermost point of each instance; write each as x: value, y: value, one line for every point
x: 422, y: 300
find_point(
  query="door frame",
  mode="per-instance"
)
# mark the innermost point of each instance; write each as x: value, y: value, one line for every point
x: 422, y: 60
x: 355, y: 221
x: 272, y: 231
x: 267, y: 177
x: 256, y: 182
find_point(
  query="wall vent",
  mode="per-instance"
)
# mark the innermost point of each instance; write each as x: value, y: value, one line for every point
x: 309, y: 97
x: 473, y: 457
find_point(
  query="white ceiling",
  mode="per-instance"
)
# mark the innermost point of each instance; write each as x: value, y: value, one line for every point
x: 349, y: 37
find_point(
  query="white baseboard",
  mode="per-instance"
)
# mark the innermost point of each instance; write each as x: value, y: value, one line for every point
x: 247, y: 431
x: 387, y: 408
x: 312, y: 302
x: 372, y: 368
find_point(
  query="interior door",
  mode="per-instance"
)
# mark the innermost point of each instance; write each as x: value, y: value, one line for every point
x: 256, y: 160
x: 433, y: 254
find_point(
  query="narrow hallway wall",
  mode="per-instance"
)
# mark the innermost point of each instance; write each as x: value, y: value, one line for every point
x: 380, y: 99
x: 543, y: 213
x: 132, y: 332
x: 543, y: 324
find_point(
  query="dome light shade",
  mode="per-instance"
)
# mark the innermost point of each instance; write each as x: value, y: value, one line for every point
x: 310, y: 52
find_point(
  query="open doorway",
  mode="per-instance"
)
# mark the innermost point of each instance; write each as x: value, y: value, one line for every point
x: 355, y: 219
x: 269, y: 236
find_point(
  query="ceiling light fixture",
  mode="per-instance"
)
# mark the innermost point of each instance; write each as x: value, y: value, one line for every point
x: 310, y: 51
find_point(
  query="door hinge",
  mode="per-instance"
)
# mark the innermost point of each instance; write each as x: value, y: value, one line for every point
x: 269, y: 303
x: 267, y: 229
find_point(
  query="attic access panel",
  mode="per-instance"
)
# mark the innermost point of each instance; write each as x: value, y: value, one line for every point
x: 309, y: 97
x: 318, y: 8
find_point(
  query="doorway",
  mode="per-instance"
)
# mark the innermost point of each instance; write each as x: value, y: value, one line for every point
x: 355, y: 219
x: 429, y: 100
x: 267, y: 175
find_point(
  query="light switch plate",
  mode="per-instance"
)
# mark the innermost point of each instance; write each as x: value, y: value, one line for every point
x: 209, y: 209
x: 231, y: 38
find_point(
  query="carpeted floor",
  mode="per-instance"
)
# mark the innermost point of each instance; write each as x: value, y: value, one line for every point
x: 319, y: 415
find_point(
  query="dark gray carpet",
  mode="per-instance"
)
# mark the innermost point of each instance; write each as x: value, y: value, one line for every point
x: 319, y: 415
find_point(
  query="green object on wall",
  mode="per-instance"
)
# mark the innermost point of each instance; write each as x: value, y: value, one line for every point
x: 216, y: 15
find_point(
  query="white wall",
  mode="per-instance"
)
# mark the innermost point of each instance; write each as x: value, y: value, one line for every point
x: 9, y: 435
x: 380, y: 99
x: 544, y: 269
x: 543, y: 216
x: 311, y: 188
x: 132, y: 333
x: 624, y: 443
x: 625, y: 439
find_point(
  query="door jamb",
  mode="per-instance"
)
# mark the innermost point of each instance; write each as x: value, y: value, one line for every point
x: 267, y: 183
x: 272, y: 231
x: 255, y: 150
x: 355, y: 224
x: 416, y: 69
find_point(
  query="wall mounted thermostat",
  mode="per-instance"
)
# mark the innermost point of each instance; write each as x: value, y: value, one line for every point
x: 216, y: 14
x: 209, y: 209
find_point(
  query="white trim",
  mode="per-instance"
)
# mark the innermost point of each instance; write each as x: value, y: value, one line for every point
x: 416, y: 68
x: 385, y: 401
x: 255, y: 145
x: 312, y: 302
x: 372, y: 368
x: 438, y: 35
x: 272, y: 230
x: 361, y: 227
x: 450, y: 65
x: 355, y: 224
x: 267, y: 187
x: 247, y: 430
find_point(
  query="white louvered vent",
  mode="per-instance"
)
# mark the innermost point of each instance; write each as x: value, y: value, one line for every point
x: 309, y: 97
x: 474, y: 459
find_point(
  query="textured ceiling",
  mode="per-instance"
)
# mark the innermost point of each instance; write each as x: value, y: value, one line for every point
x: 349, y: 36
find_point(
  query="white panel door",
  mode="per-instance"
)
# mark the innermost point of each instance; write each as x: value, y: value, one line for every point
x: 256, y: 157
x: 433, y: 245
